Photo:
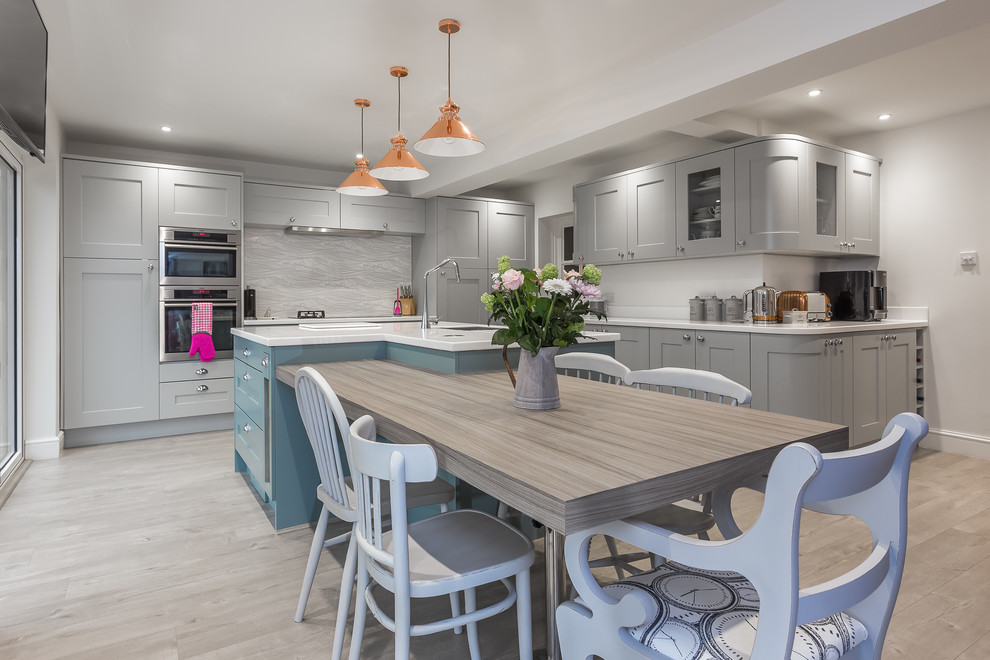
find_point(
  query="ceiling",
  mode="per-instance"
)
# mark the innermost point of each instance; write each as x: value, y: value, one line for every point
x: 541, y: 83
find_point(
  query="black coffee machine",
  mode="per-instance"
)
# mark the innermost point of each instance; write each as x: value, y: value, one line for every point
x: 249, y: 303
x: 856, y: 295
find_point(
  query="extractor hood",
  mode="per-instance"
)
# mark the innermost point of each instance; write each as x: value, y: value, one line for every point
x: 335, y: 231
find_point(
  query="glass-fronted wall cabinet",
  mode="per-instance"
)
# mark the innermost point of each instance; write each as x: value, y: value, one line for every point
x: 706, y: 204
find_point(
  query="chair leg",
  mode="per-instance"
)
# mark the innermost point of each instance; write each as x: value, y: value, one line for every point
x: 503, y: 511
x: 344, y: 598
x: 614, y: 551
x: 319, y: 536
x: 403, y: 622
x: 455, y: 610
x: 470, y: 605
x: 360, y: 608
x: 524, y: 614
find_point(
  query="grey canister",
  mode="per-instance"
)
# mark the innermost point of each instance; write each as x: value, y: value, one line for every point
x: 697, y: 307
x: 733, y: 308
x: 713, y: 309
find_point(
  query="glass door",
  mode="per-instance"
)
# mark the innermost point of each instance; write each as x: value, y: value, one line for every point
x: 705, y: 202
x: 9, y: 423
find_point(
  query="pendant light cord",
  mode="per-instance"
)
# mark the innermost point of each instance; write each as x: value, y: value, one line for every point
x: 398, y: 114
x: 448, y: 66
x: 362, y: 131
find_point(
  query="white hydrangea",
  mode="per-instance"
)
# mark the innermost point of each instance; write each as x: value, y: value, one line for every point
x: 558, y: 286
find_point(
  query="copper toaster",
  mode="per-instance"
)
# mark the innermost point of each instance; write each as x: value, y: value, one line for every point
x: 819, y: 306
x: 789, y: 301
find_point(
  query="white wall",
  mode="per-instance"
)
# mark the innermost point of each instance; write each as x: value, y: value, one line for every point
x: 935, y: 178
x: 41, y: 234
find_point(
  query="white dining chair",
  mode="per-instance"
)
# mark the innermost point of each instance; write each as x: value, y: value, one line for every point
x: 742, y: 598
x: 592, y: 366
x: 695, y: 383
x: 452, y: 552
x: 323, y: 416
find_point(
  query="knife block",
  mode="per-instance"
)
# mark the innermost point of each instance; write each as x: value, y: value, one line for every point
x: 408, y: 306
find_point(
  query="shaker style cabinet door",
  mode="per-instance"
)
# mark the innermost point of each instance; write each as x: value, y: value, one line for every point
x: 511, y: 231
x: 883, y: 381
x: 391, y: 214
x: 199, y: 200
x: 462, y: 231
x: 268, y: 205
x: 600, y: 221
x: 771, y: 194
x: 110, y: 349
x: 862, y: 205
x: 651, y: 224
x: 706, y: 221
x: 109, y: 210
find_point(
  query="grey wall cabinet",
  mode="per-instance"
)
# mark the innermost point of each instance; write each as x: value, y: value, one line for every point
x: 475, y: 233
x: 883, y: 381
x: 727, y: 353
x: 199, y: 200
x: 803, y: 376
x: 388, y: 213
x: 706, y: 204
x: 627, y: 217
x: 278, y: 206
x: 862, y: 205
x: 110, y: 344
x: 109, y: 210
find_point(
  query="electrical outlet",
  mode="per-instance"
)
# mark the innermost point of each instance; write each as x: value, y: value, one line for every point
x: 968, y: 258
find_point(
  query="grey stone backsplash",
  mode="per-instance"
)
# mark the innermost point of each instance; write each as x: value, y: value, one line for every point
x: 345, y: 276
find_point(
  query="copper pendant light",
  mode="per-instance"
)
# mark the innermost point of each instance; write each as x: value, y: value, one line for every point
x: 360, y: 182
x: 398, y: 164
x: 449, y: 136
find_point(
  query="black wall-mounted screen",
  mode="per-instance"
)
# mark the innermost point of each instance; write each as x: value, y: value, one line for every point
x: 23, y: 74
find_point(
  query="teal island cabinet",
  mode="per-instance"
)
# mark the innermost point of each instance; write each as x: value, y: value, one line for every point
x: 270, y: 443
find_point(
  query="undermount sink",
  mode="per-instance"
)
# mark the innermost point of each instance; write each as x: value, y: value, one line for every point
x: 471, y: 327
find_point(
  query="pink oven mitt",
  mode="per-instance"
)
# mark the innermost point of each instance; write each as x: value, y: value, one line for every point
x: 202, y: 331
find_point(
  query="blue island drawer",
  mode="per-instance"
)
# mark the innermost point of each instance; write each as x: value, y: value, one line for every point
x: 249, y: 391
x: 253, y: 354
x: 249, y: 441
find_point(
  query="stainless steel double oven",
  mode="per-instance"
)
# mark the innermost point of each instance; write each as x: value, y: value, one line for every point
x: 197, y: 266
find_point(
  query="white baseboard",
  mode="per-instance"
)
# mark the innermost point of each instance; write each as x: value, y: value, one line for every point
x: 43, y: 449
x: 958, y: 443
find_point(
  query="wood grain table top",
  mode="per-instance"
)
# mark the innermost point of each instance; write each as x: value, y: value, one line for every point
x: 608, y: 452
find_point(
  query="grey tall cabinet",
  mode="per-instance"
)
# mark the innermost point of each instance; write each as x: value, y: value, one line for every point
x: 474, y: 232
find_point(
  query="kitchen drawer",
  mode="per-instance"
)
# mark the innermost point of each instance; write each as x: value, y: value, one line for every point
x: 250, y: 443
x: 188, y: 398
x: 253, y: 354
x: 249, y: 386
x: 170, y: 372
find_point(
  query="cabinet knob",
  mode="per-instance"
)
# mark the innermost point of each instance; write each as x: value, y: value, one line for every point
x: 247, y: 352
x: 264, y: 362
x: 893, y: 337
x: 885, y: 338
x: 631, y: 253
x: 687, y: 337
x: 680, y: 248
x: 292, y: 219
x: 247, y: 428
x: 851, y: 245
x: 828, y: 342
x: 202, y: 388
x: 741, y: 242
x: 622, y: 254
x: 246, y: 376
x: 202, y: 372
x: 839, y: 342
x: 384, y: 225
x: 233, y: 223
x: 843, y: 244
x: 701, y: 338
x: 151, y: 267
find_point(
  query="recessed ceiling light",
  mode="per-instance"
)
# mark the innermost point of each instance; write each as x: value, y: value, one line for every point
x: 815, y: 92
x: 884, y: 117
x: 166, y: 129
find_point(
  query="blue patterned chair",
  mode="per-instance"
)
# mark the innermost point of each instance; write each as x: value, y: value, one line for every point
x: 740, y: 598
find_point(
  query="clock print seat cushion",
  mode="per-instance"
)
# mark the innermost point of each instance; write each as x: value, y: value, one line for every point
x: 712, y: 615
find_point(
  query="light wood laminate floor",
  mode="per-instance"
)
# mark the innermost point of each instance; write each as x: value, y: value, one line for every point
x: 157, y: 549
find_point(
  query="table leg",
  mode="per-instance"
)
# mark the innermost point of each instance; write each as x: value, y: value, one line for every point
x: 556, y: 583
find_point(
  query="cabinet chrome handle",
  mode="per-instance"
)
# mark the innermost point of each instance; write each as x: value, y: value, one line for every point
x: 201, y: 372
x: 151, y: 267
x: 851, y: 245
x: 247, y: 352
x: 687, y: 337
x: 384, y: 225
x: 622, y: 254
x: 893, y: 338
x: 246, y: 376
x: 247, y: 428
x: 631, y: 253
x: 264, y: 362
x: 741, y: 242
x: 233, y: 223
x: 828, y: 342
x: 701, y: 338
x: 839, y: 342
x: 202, y: 388
x: 680, y: 248
x: 292, y: 219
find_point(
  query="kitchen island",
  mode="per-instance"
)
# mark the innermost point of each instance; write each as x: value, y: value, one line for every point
x: 270, y: 443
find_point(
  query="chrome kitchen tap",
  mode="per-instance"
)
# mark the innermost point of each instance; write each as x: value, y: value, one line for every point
x: 426, y: 289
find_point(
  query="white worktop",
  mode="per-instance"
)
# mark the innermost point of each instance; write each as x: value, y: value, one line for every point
x: 446, y: 336
x: 810, y: 328
x: 285, y: 320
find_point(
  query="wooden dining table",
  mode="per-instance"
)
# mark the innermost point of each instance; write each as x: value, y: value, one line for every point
x: 607, y: 453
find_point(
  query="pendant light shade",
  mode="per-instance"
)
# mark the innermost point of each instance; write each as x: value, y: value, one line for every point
x: 399, y: 164
x: 449, y: 136
x: 360, y: 182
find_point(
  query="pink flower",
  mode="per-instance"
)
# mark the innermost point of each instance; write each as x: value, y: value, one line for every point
x: 512, y: 279
x: 586, y: 289
x: 571, y: 274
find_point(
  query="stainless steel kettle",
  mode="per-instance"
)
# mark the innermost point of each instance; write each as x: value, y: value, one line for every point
x: 761, y: 303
